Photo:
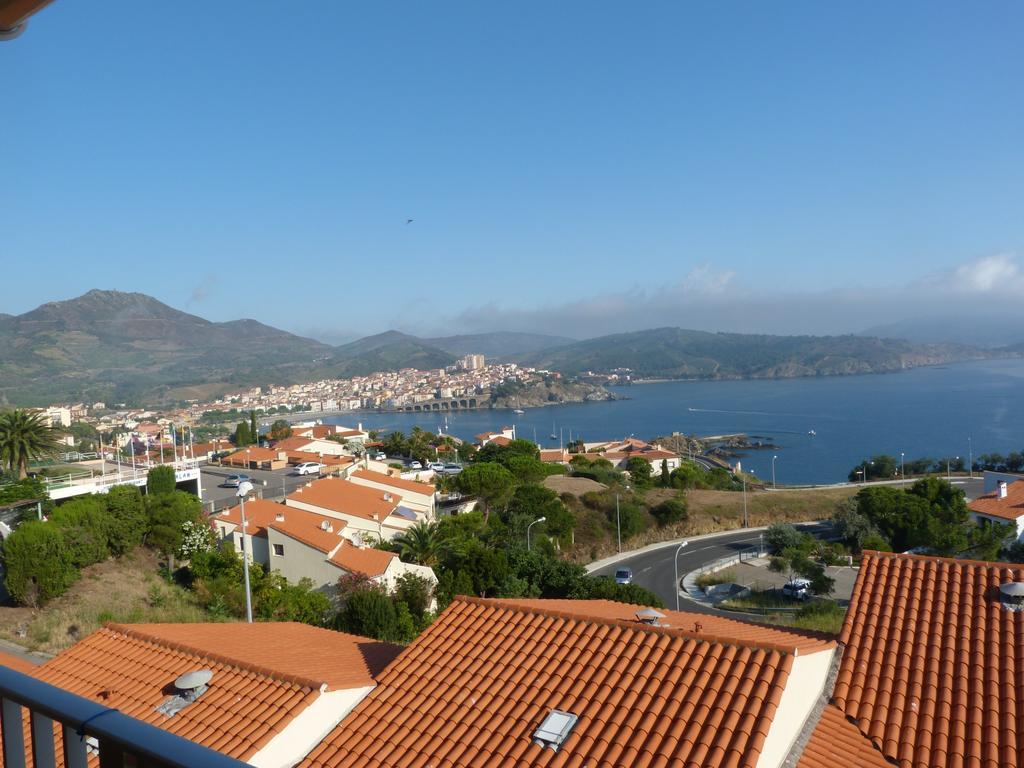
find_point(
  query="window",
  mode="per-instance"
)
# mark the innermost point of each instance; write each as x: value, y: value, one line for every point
x: 279, y: 550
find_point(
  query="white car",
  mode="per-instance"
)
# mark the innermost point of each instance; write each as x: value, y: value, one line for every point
x: 381, y: 457
x: 437, y: 466
x: 309, y: 468
x: 415, y: 465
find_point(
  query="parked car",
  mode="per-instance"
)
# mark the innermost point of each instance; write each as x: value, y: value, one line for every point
x: 380, y: 457
x: 233, y: 481
x: 623, y: 576
x: 437, y: 466
x: 451, y: 469
x: 798, y: 589
x: 415, y: 465
x: 309, y: 468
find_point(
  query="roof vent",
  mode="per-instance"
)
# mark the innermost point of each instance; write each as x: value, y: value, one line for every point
x: 649, y: 616
x: 1011, y: 595
x: 1002, y: 489
x: 279, y: 517
x: 387, y: 497
x: 555, y: 729
x: 326, y: 526
x: 188, y: 687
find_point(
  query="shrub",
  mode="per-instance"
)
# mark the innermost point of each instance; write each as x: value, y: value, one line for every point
x: 86, y: 526
x: 38, y: 563
x: 782, y: 536
x: 414, y: 591
x: 370, y: 613
x: 669, y: 511
x: 128, y: 518
x: 161, y: 480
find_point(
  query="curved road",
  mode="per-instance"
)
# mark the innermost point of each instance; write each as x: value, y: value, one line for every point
x: 654, y: 569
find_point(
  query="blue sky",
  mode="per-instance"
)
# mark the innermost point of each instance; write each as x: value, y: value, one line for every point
x: 577, y: 167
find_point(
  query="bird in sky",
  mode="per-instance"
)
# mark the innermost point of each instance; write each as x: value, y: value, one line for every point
x: 409, y: 221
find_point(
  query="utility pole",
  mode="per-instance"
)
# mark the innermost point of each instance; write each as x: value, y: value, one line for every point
x: 773, y: 471
x: 618, y: 523
x: 746, y: 520
x: 970, y: 457
x: 243, y: 491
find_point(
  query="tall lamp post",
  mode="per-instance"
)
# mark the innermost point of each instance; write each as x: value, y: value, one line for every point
x: 746, y: 520
x: 903, y: 470
x: 675, y: 562
x: 538, y: 520
x: 618, y: 524
x: 773, y: 470
x: 244, y: 489
x: 948, y: 475
x: 970, y: 457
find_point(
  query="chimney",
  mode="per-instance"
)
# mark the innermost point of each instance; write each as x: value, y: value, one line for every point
x: 279, y: 517
x: 1002, y: 490
x: 387, y: 496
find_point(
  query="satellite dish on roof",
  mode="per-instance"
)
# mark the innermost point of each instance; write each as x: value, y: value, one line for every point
x: 1013, y: 589
x: 649, y: 616
x: 194, y: 679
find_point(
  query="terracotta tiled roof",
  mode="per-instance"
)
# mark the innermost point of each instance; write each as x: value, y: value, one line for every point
x: 395, y: 482
x: 251, y: 454
x: 714, y: 627
x: 243, y: 709
x: 307, y: 527
x: 258, y: 514
x: 292, y: 444
x: 1010, y: 508
x: 473, y: 688
x: 17, y: 663
x: 342, y: 496
x: 501, y: 440
x: 280, y: 648
x: 328, y: 459
x: 836, y: 743
x: 366, y: 560
x: 933, y: 670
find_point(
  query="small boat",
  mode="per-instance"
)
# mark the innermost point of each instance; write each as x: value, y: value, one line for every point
x: 812, y: 433
x: 518, y: 410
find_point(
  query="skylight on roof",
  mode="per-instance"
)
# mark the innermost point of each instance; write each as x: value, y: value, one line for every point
x: 555, y: 729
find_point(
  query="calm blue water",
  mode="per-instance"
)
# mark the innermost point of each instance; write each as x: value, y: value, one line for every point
x: 923, y: 412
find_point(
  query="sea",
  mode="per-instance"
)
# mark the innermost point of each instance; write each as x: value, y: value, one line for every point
x: 823, y: 426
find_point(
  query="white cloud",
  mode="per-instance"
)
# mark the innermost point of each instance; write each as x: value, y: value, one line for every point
x: 999, y: 273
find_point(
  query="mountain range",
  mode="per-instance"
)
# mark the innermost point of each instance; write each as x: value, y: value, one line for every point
x: 129, y: 347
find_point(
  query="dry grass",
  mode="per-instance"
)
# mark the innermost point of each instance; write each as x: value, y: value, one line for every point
x: 712, y: 512
x: 577, y: 486
x: 125, y: 590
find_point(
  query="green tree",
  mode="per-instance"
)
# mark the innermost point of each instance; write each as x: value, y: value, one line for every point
x: 243, y: 435
x: 24, y: 437
x: 369, y: 612
x: 530, y: 502
x: 854, y: 527
x: 416, y: 592
x: 168, y: 514
x: 86, y: 525
x: 640, y: 470
x: 420, y: 544
x: 161, y: 480
x: 490, y: 483
x: 280, y: 430
x: 665, y: 478
x: 254, y: 429
x: 526, y: 469
x: 128, y: 516
x: 782, y: 536
x: 37, y: 563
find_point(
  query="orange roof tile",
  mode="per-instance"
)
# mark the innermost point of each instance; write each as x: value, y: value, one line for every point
x: 714, y: 627
x: 258, y: 514
x: 342, y: 496
x: 328, y: 459
x: 17, y: 663
x: 932, y: 671
x: 294, y: 443
x: 251, y: 454
x: 242, y: 710
x: 280, y: 648
x: 395, y: 482
x: 473, y: 688
x: 836, y: 743
x: 1010, y: 508
x: 307, y: 527
x: 369, y: 561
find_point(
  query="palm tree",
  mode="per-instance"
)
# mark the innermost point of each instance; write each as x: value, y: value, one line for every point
x: 419, y: 544
x: 24, y: 436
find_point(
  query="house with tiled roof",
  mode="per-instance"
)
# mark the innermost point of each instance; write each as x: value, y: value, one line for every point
x: 379, y: 513
x: 417, y: 496
x: 502, y: 437
x: 268, y: 698
x: 619, y: 452
x: 591, y: 683
x: 1004, y: 505
x: 256, y: 457
x: 300, y: 544
x: 932, y: 671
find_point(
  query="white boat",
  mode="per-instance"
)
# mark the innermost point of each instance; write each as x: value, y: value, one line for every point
x: 812, y: 433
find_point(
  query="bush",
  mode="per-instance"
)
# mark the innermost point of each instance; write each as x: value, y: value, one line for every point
x: 415, y: 592
x: 370, y: 613
x: 167, y: 516
x: 782, y: 536
x: 86, y: 526
x: 38, y: 563
x: 606, y: 589
x: 128, y: 518
x: 669, y: 511
x: 161, y: 480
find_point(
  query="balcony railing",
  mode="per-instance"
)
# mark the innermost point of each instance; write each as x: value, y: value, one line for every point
x: 83, y: 728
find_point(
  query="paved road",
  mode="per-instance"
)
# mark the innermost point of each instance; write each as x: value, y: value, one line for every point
x: 276, y: 481
x: 654, y: 569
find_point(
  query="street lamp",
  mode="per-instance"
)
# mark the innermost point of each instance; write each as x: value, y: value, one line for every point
x: 970, y: 457
x: 618, y: 523
x: 746, y: 520
x: 955, y: 458
x: 903, y: 470
x: 773, y: 470
x: 675, y: 563
x: 538, y: 520
x: 244, y: 489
